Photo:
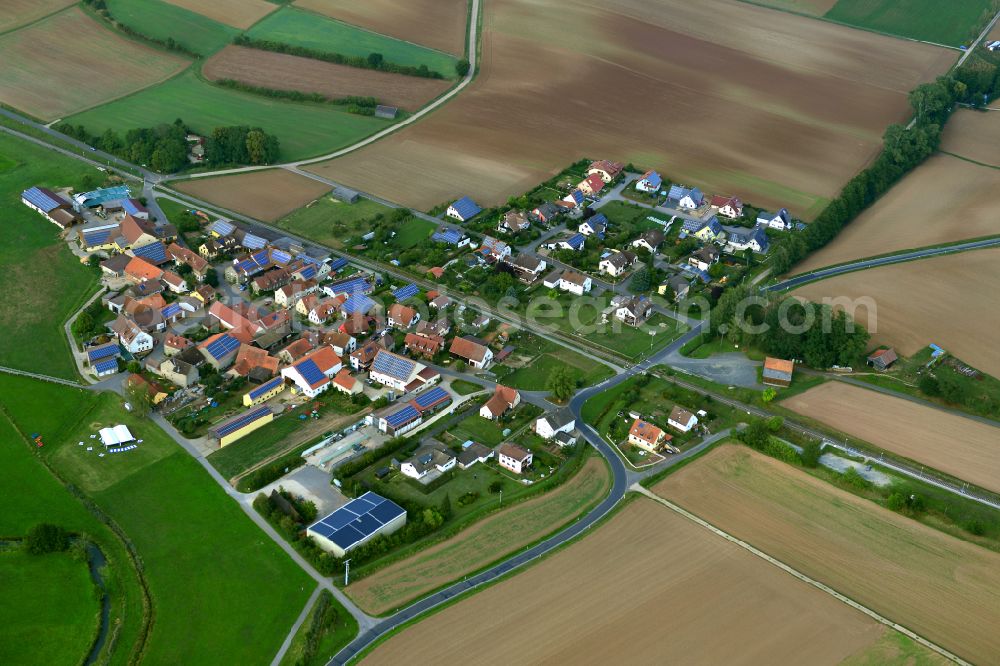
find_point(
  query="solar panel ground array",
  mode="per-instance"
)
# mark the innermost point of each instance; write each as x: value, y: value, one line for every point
x: 357, y: 520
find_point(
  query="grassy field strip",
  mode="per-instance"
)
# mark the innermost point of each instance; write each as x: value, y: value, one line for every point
x: 801, y: 576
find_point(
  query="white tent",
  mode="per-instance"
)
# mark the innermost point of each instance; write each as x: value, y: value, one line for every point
x: 116, y: 436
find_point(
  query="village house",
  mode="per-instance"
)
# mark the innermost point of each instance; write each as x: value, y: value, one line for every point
x: 496, y: 249
x: 423, y: 345
x: 475, y: 352
x: 294, y: 351
x: 183, y: 256
x: 575, y: 283
x: 650, y: 240
x: 606, y: 169
x: 596, y: 225
x: 780, y: 221
x: 546, y: 213
x: 139, y: 270
x: 647, y: 436
x: 439, y: 327
x: 682, y: 419
x: 178, y: 372
x: 617, y: 262
x: 573, y: 242
x: 312, y: 374
x: 527, y: 267
x: 631, y: 310
x: 730, y: 207
x: 175, y: 344
x: 400, y: 373
x: 433, y: 455
x: 514, y: 458
x: 220, y: 349
x: 650, y: 182
x: 345, y: 383
x: 288, y: 295
x: 474, y: 453
x: 131, y: 336
x: 323, y: 311
x: 675, y: 286
x: 548, y: 426
x: 502, y: 401
x: 574, y: 199
x: 463, y: 210
x: 513, y: 222
x: 591, y: 185
x: 402, y: 316
x: 342, y: 343
x: 739, y: 239
x: 51, y: 206
x: 254, y: 363
x: 704, y: 258
x: 705, y: 231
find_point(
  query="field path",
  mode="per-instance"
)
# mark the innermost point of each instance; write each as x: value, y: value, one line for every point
x: 979, y: 39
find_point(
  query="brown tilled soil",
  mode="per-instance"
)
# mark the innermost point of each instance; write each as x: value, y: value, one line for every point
x: 482, y: 543
x: 941, y: 587
x: 974, y: 135
x: 21, y: 12
x: 266, y: 195
x: 287, y: 72
x: 647, y: 587
x: 238, y: 13
x: 439, y: 24
x: 778, y: 108
x: 943, y: 200
x: 956, y: 445
x: 948, y: 300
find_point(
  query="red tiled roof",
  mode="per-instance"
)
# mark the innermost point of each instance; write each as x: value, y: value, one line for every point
x: 141, y: 270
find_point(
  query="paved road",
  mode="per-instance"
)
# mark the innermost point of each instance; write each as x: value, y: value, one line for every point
x: 979, y: 39
x: 800, y: 280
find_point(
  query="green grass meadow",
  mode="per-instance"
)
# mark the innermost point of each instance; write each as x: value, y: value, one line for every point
x: 951, y: 22
x: 329, y: 221
x: 303, y: 129
x: 49, y: 613
x: 42, y: 282
x: 302, y: 28
x: 222, y: 591
x: 163, y: 21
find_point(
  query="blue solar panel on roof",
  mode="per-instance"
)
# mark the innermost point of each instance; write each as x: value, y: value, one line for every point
x: 222, y: 346
x: 323, y: 530
x: 96, y: 237
x: 357, y: 521
x: 104, y: 351
x: 171, y: 310
x: 154, y: 252
x: 409, y: 291
x: 339, y: 518
x: 41, y: 199
x: 427, y: 399
x: 308, y: 272
x: 385, y: 512
x: 355, y: 285
x: 265, y: 387
x: 360, y: 505
x: 357, y: 303
x: 366, y: 524
x: 346, y: 537
x: 466, y: 208
x: 222, y: 227
x: 280, y: 256
x: 106, y: 366
x: 338, y: 264
x: 310, y: 371
x: 242, y: 421
x: 403, y: 416
x: 252, y: 242
x: 373, y: 498
x: 395, y: 366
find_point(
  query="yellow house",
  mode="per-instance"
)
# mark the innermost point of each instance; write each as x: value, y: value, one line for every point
x: 99, y: 238
x: 261, y: 394
x: 242, y: 425
x: 710, y: 231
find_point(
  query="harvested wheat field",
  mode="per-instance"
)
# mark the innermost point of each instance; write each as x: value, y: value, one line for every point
x: 265, y: 195
x: 21, y: 12
x: 943, y: 200
x: 70, y: 62
x: 973, y: 135
x: 482, y: 543
x: 714, y: 108
x: 288, y: 72
x: 939, y: 300
x: 238, y: 13
x: 439, y: 24
x: 646, y: 587
x: 956, y: 445
x: 811, y: 7
x: 941, y: 587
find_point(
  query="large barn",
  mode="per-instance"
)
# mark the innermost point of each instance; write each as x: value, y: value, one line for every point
x: 357, y: 522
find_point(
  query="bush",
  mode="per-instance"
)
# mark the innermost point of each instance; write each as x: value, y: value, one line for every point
x: 371, y: 61
x: 854, y: 479
x: 975, y: 526
x: 811, y: 451
x: 46, y: 538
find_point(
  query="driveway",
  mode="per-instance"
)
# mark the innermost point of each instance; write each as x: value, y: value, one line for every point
x: 314, y: 485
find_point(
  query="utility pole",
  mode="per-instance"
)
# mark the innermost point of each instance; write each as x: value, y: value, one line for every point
x: 347, y: 572
x: 501, y: 497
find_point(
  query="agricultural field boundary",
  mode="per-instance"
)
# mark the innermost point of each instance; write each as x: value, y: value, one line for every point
x: 801, y: 576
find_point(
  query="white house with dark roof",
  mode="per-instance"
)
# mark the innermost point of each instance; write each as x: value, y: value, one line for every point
x: 739, y: 239
x: 548, y: 425
x: 617, y: 262
x: 780, y: 221
x: 575, y: 283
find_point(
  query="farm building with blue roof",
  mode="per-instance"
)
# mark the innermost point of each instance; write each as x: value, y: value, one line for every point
x: 464, y: 209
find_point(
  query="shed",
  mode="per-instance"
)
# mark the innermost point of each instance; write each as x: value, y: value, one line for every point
x: 387, y: 112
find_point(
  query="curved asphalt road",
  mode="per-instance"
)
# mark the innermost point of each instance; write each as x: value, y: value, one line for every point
x: 883, y: 261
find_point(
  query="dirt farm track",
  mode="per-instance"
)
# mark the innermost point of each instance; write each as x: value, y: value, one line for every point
x: 941, y: 587
x: 646, y: 587
x: 725, y: 110
x: 955, y: 445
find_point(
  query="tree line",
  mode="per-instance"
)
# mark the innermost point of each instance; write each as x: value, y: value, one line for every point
x: 165, y: 147
x: 374, y: 61
x: 363, y: 106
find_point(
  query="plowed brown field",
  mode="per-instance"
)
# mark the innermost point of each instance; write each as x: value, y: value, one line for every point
x: 439, y: 24
x: 947, y: 300
x: 266, y: 195
x: 941, y: 587
x: 647, y: 587
x: 70, y: 62
x: 778, y: 108
x: 955, y: 445
x: 287, y: 72
x: 238, y: 13
x: 943, y: 200
x: 20, y: 12
x: 974, y: 135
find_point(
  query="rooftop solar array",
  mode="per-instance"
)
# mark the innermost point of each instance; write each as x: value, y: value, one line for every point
x: 154, y: 253
x: 357, y: 303
x: 308, y: 272
x: 600, y: 218
x: 450, y: 236
x: 98, y: 236
x: 43, y: 199
x: 407, y: 414
x: 280, y: 257
x: 242, y: 420
x: 357, y: 520
x: 223, y: 346
x: 262, y: 258
x: 387, y: 363
x: 432, y: 398
x: 106, y: 365
x: 132, y: 207
x: 310, y: 371
x: 104, y: 351
x: 466, y: 208
x: 338, y: 264
x: 222, y: 227
x: 575, y: 241
x: 403, y: 293
x: 252, y: 242
x: 265, y: 387
x: 357, y: 285
x: 171, y: 310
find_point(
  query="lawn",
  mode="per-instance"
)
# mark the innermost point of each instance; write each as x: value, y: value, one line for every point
x: 303, y: 129
x: 163, y: 21
x: 414, y: 232
x: 490, y: 433
x: 462, y: 387
x: 953, y: 22
x: 189, y: 534
x: 329, y: 221
x: 534, y: 376
x: 42, y: 282
x: 301, y: 28
x: 329, y: 638
x: 49, y: 612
